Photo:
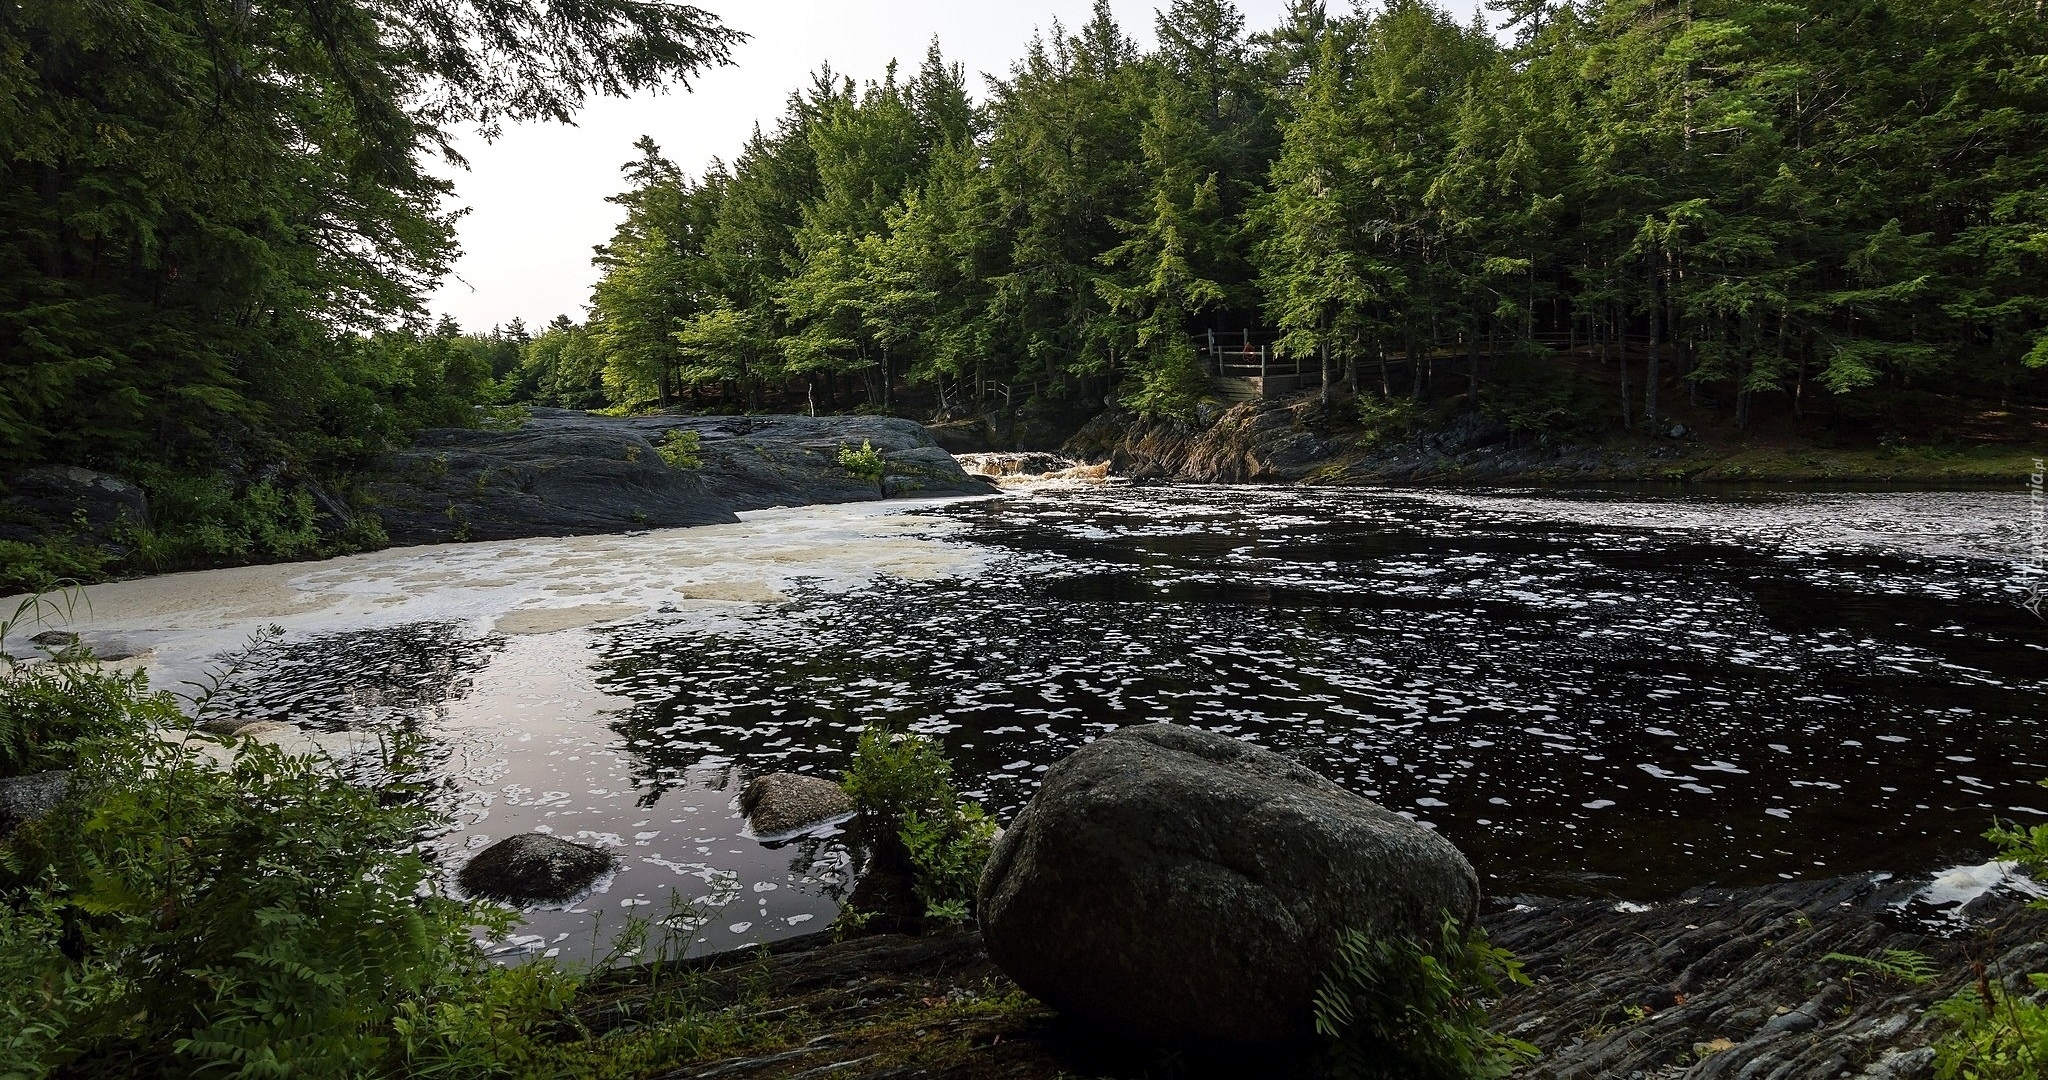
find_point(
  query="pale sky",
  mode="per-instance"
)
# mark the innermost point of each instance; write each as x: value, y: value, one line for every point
x: 536, y: 197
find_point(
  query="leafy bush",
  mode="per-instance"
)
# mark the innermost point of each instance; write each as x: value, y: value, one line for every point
x: 681, y: 449
x: 947, y: 854
x: 1385, y: 419
x: 1170, y: 385
x: 895, y: 775
x: 1398, y: 1010
x: 902, y: 786
x: 207, y: 905
x: 48, y: 564
x: 208, y: 521
x: 1532, y: 395
x: 866, y: 462
x: 502, y: 417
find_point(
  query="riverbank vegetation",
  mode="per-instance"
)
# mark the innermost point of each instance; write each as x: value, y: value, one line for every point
x: 1827, y: 212
x: 217, y: 227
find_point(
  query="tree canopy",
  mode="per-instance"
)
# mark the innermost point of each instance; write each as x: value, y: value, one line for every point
x: 1776, y: 204
x: 207, y: 207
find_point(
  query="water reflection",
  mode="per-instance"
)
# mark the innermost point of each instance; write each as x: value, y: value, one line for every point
x: 1618, y: 695
x: 1581, y: 695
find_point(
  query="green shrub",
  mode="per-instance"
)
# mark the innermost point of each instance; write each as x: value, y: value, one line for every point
x: 1386, y: 419
x: 894, y: 775
x: 681, y: 449
x: 1395, y: 1009
x: 199, y: 521
x: 902, y: 786
x: 865, y: 463
x: 947, y: 854
x: 206, y: 905
x: 1170, y: 383
x: 49, y: 564
x: 502, y: 417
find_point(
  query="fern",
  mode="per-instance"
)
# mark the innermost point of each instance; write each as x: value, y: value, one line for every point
x: 1897, y: 965
x: 1395, y: 1010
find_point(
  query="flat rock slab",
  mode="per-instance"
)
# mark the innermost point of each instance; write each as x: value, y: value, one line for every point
x: 1173, y: 884
x: 533, y: 868
x: 565, y: 473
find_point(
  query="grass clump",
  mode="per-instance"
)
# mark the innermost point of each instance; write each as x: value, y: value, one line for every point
x: 1395, y: 1009
x: 903, y: 788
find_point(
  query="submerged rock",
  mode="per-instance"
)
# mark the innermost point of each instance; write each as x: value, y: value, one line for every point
x: 533, y: 868
x: 25, y: 798
x: 1175, y: 884
x: 784, y: 802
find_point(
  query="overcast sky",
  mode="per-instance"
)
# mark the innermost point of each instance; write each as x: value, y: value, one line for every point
x: 535, y: 197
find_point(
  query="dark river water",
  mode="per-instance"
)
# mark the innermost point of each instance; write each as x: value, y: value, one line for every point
x: 1620, y: 694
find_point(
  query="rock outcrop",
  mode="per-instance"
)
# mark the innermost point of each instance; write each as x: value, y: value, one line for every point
x: 785, y: 802
x: 533, y: 868
x: 1171, y: 884
x: 62, y: 500
x: 564, y: 473
x: 1258, y: 441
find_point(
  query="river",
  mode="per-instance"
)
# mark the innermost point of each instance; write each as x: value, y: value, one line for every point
x: 1609, y: 693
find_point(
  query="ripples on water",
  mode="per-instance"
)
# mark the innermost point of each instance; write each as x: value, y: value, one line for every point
x: 1616, y: 695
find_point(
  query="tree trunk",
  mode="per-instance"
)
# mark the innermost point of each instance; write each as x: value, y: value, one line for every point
x: 1654, y: 373
x: 1621, y: 346
x: 1472, y: 372
x: 1329, y: 373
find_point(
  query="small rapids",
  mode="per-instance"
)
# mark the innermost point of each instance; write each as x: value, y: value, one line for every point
x: 1032, y: 469
x: 1597, y: 693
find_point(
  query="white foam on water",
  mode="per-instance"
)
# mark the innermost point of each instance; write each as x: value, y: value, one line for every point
x: 530, y: 586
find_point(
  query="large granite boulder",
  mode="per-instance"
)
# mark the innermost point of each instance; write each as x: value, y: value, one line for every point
x: 532, y: 868
x: 1172, y: 884
x: 565, y: 473
x: 785, y: 802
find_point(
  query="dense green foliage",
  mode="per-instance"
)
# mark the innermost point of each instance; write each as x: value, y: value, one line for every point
x: 1406, y: 1010
x: 1832, y: 205
x: 213, y: 215
x: 902, y: 785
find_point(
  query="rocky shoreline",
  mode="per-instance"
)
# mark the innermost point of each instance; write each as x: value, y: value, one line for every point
x: 1713, y: 984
